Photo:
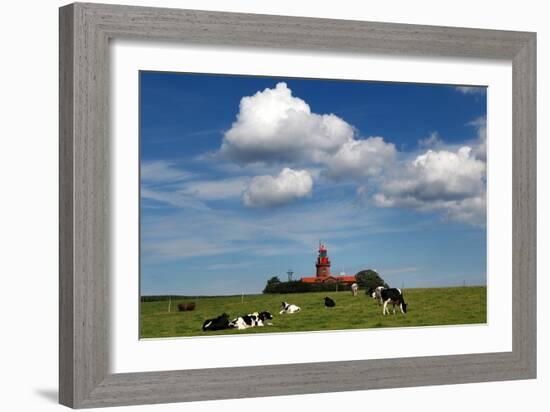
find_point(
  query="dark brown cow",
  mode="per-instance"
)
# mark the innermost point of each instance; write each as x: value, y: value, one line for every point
x: 183, y: 307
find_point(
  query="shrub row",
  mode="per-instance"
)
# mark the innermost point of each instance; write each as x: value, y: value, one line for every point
x: 295, y: 286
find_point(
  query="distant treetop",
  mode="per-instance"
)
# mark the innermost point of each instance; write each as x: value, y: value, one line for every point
x: 369, y: 279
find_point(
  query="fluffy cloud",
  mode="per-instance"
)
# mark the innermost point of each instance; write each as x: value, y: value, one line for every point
x: 269, y: 191
x: 274, y: 128
x: 273, y: 125
x: 446, y: 181
x: 359, y: 159
x: 480, y: 150
x: 470, y: 210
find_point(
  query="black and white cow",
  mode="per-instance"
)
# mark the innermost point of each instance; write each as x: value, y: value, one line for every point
x: 289, y: 308
x: 376, y: 293
x: 251, y: 320
x: 329, y: 303
x: 395, y: 297
x: 219, y: 323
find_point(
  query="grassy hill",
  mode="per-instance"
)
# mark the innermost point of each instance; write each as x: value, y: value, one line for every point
x: 427, y: 307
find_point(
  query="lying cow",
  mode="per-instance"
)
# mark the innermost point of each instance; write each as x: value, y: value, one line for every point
x: 329, y: 303
x: 251, y: 320
x: 395, y: 297
x: 219, y: 323
x: 289, y: 308
x: 376, y: 293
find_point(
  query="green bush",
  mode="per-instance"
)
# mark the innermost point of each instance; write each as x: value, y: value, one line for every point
x: 369, y: 279
x: 296, y: 286
x: 272, y: 284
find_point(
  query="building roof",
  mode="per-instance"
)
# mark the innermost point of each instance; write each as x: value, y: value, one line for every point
x: 315, y: 279
x: 347, y: 278
x: 312, y: 279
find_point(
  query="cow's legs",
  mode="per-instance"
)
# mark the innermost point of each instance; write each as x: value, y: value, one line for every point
x: 385, y: 308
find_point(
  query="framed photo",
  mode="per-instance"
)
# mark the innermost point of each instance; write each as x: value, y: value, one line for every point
x: 257, y: 205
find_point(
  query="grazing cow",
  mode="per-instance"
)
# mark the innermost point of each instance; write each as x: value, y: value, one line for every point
x: 329, y: 303
x: 354, y: 289
x: 183, y: 307
x: 219, y: 323
x: 288, y: 308
x: 395, y: 297
x: 376, y: 293
x: 251, y: 320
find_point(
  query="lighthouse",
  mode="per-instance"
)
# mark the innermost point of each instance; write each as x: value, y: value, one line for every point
x: 323, y: 275
x: 323, y: 262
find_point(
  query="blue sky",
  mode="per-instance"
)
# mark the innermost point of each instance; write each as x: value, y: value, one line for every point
x: 242, y: 176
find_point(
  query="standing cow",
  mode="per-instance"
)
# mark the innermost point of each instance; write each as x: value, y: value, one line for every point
x: 395, y: 297
x: 376, y: 293
x: 354, y: 289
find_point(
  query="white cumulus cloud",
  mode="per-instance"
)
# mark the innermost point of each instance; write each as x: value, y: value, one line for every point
x: 274, y: 125
x: 446, y: 181
x: 275, y: 129
x: 270, y: 191
x: 358, y: 159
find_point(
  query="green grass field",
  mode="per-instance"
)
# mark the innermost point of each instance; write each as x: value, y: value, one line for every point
x: 426, y: 307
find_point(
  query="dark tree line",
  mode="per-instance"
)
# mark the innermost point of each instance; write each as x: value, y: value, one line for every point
x: 274, y: 285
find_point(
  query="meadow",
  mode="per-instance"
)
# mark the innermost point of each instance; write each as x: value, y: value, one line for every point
x: 426, y: 307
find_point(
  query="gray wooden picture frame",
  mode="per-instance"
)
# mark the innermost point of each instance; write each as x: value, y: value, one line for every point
x: 85, y: 31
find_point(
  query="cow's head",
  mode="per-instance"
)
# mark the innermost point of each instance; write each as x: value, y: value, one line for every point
x: 265, y: 315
